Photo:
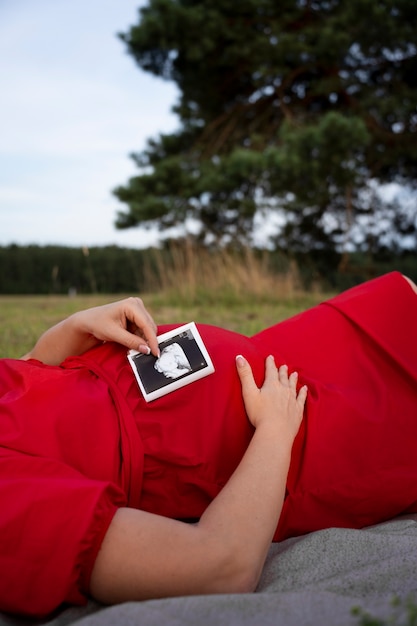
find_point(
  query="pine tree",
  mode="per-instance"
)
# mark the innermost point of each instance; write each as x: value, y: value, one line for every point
x: 298, y: 106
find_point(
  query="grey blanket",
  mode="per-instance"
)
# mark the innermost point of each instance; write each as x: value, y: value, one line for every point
x: 313, y: 580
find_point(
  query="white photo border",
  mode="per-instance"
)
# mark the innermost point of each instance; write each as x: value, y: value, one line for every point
x: 153, y: 384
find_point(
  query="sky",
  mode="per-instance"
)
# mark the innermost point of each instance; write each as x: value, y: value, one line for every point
x: 73, y: 106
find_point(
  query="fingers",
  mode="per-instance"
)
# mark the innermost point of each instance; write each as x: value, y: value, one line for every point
x: 302, y: 395
x: 291, y: 381
x: 151, y: 345
x: 271, y: 372
x: 245, y: 372
x: 283, y: 375
x: 285, y: 379
x: 251, y: 394
x: 128, y: 339
x: 137, y: 314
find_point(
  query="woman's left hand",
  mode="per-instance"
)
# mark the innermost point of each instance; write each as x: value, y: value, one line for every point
x: 277, y: 401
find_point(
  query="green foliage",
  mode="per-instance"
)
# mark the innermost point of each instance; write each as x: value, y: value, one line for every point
x: 329, y: 150
x: 292, y: 106
x: 57, y: 269
x: 404, y: 614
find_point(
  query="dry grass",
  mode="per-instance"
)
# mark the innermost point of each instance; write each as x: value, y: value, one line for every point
x: 190, y: 274
x: 239, y: 292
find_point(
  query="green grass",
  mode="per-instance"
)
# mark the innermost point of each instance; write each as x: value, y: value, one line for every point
x: 24, y: 318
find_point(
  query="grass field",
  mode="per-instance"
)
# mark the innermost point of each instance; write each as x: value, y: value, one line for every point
x: 24, y: 318
x: 240, y: 293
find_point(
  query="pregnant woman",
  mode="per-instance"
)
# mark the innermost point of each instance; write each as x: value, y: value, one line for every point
x: 309, y: 424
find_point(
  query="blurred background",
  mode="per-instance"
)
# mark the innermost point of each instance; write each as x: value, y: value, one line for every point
x: 137, y: 137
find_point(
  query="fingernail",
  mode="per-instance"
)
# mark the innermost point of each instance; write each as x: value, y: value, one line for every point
x: 240, y: 360
x: 144, y: 349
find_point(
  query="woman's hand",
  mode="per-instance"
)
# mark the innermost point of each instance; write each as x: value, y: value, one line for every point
x: 126, y: 322
x: 226, y: 551
x: 277, y: 401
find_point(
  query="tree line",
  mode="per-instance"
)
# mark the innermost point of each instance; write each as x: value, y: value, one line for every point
x: 110, y: 269
x: 65, y: 270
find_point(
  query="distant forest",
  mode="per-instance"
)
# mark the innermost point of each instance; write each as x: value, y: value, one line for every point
x: 65, y: 270
x: 111, y: 269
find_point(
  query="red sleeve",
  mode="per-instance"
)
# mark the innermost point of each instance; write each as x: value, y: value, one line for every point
x: 52, y: 523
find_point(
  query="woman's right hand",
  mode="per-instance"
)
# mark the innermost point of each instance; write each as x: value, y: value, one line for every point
x: 277, y: 401
x: 126, y: 322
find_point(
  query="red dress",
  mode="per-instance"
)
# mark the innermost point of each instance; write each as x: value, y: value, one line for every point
x: 78, y: 441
